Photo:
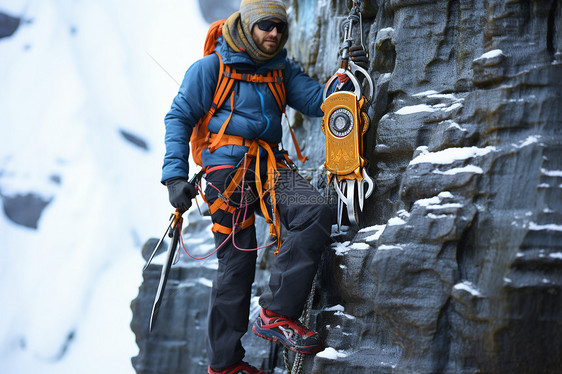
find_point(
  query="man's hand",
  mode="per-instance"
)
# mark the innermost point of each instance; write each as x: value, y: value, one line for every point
x: 359, y: 56
x: 180, y: 193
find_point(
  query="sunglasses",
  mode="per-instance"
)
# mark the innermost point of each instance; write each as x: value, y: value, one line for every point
x: 268, y: 26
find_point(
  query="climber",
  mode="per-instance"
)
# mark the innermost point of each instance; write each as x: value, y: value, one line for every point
x: 252, y: 44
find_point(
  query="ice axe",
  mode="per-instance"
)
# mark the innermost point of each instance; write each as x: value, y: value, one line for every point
x: 173, y: 231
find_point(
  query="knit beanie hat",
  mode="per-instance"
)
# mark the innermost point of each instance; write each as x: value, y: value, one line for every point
x: 237, y: 30
x: 254, y: 11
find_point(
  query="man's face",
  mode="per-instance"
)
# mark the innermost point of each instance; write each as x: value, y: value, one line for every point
x: 268, y: 41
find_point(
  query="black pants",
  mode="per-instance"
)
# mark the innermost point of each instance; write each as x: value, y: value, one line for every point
x: 306, y: 216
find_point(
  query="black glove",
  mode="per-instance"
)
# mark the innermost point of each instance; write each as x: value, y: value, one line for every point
x: 359, y: 56
x: 180, y: 193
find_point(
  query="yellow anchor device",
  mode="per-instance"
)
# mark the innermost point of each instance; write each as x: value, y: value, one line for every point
x: 344, y: 124
x: 344, y: 138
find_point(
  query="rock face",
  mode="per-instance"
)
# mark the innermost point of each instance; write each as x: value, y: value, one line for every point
x: 458, y: 265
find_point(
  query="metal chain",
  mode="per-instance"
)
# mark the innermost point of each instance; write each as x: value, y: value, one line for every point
x: 296, y: 367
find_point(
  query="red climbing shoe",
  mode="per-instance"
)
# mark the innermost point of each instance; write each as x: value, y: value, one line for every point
x: 240, y: 368
x: 292, y: 334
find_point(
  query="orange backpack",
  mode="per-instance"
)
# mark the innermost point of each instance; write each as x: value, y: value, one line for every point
x: 201, y: 137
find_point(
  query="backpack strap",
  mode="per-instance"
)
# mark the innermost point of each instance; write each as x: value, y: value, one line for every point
x: 278, y: 89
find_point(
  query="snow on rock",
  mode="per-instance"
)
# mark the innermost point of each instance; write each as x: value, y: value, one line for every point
x: 385, y: 33
x: 468, y: 287
x: 435, y: 200
x: 378, y: 230
x: 425, y: 93
x: 490, y: 54
x: 342, y: 314
x: 371, y: 228
x: 331, y: 354
x: 533, y: 139
x: 360, y: 246
x: 386, y: 247
x: 550, y: 227
x: 415, y: 109
x: 339, y: 311
x: 465, y: 169
x: 341, y: 248
x: 335, y: 308
x: 450, y: 155
x: 551, y: 173
x: 395, y: 221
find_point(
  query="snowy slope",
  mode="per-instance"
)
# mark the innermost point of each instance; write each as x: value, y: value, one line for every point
x: 74, y: 77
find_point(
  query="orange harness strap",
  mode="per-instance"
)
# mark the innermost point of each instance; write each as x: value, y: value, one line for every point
x: 217, y: 227
x: 227, y: 139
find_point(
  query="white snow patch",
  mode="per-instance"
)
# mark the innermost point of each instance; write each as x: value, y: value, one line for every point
x: 549, y: 227
x: 530, y: 140
x: 341, y: 248
x: 445, y: 195
x: 415, y: 109
x: 340, y: 313
x: 385, y: 33
x: 331, y: 354
x: 360, y: 246
x: 465, y: 169
x: 450, y: 155
x: 435, y: 200
x: 428, y: 201
x: 468, y: 287
x: 453, y: 107
x: 335, y: 308
x: 376, y: 235
x: 426, y: 93
x: 444, y: 96
x: 556, y: 255
x: 372, y: 228
x: 445, y: 206
x: 437, y: 216
x: 490, y: 54
x: 552, y: 173
x: 386, y: 247
x: 454, y: 125
x: 396, y: 221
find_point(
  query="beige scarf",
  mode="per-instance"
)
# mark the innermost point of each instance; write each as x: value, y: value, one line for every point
x: 239, y: 38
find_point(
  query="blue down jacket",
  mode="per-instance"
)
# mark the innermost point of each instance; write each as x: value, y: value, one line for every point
x: 256, y: 114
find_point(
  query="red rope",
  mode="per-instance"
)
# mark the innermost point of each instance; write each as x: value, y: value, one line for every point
x: 207, y: 256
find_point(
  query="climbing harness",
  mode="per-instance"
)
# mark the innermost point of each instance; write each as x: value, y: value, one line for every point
x: 344, y: 123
